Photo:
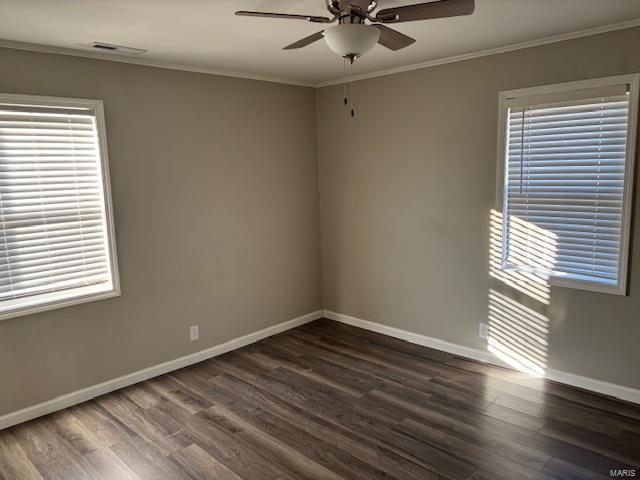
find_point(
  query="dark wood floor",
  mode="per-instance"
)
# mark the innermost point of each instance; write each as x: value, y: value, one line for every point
x: 326, y: 402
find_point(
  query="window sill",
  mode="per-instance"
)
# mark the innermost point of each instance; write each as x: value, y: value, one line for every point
x: 54, y: 300
x: 568, y: 280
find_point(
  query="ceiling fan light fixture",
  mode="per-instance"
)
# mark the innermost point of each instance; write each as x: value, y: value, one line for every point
x: 351, y: 40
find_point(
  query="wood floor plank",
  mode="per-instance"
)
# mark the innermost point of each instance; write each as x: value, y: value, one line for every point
x: 317, y: 450
x: 178, y: 393
x: 46, y: 452
x: 95, y: 458
x: 304, y: 366
x: 581, y: 416
x: 356, y: 365
x: 223, y: 447
x: 596, y: 442
x: 259, y: 435
x: 480, y: 457
x: 148, y: 461
x: 143, y: 423
x: 104, y: 426
x: 571, y: 453
x: 14, y: 463
x: 542, y: 390
x: 366, y: 449
x: 385, y: 358
x: 342, y: 330
x: 143, y: 395
x: 521, y: 419
x: 328, y: 401
x: 567, y: 471
x: 629, y: 411
x: 202, y: 466
x: 408, y: 364
x: 499, y: 445
x: 365, y: 424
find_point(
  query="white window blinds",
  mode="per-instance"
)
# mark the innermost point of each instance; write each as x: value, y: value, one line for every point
x: 55, y: 235
x: 564, y: 183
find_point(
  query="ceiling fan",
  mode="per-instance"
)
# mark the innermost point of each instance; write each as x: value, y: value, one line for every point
x: 352, y: 37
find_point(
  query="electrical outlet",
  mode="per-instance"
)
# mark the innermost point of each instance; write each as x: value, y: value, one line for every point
x: 194, y: 333
x: 483, y: 330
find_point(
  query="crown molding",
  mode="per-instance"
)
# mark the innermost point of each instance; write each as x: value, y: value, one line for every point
x: 32, y: 47
x: 112, y: 57
x: 492, y: 51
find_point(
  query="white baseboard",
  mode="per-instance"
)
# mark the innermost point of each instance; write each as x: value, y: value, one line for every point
x: 85, y: 394
x: 591, y: 384
x: 88, y: 393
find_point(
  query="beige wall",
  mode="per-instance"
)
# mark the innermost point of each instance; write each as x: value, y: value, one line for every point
x: 405, y: 207
x: 214, y: 185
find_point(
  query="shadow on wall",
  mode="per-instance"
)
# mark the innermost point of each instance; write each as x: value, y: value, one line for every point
x: 518, y: 325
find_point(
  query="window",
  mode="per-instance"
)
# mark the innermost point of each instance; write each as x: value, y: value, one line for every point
x: 566, y: 158
x: 56, y: 239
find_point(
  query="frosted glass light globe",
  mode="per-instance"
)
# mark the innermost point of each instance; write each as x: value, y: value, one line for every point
x: 351, y: 39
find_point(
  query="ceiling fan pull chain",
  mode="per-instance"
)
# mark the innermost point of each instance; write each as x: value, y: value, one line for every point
x: 353, y: 102
x: 344, y: 81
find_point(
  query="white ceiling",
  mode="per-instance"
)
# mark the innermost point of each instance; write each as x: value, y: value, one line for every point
x: 205, y: 34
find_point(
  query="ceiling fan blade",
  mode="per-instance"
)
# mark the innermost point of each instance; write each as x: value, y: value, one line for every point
x: 426, y: 11
x: 309, y: 18
x: 392, y: 39
x: 305, y: 41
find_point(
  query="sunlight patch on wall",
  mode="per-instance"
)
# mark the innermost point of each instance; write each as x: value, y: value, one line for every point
x: 531, y: 247
x: 522, y: 252
x: 518, y: 333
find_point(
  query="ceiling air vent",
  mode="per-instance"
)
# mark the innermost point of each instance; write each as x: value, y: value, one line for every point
x: 109, y: 47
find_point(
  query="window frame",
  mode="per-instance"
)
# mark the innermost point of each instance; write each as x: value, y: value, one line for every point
x: 633, y: 80
x: 73, y: 296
